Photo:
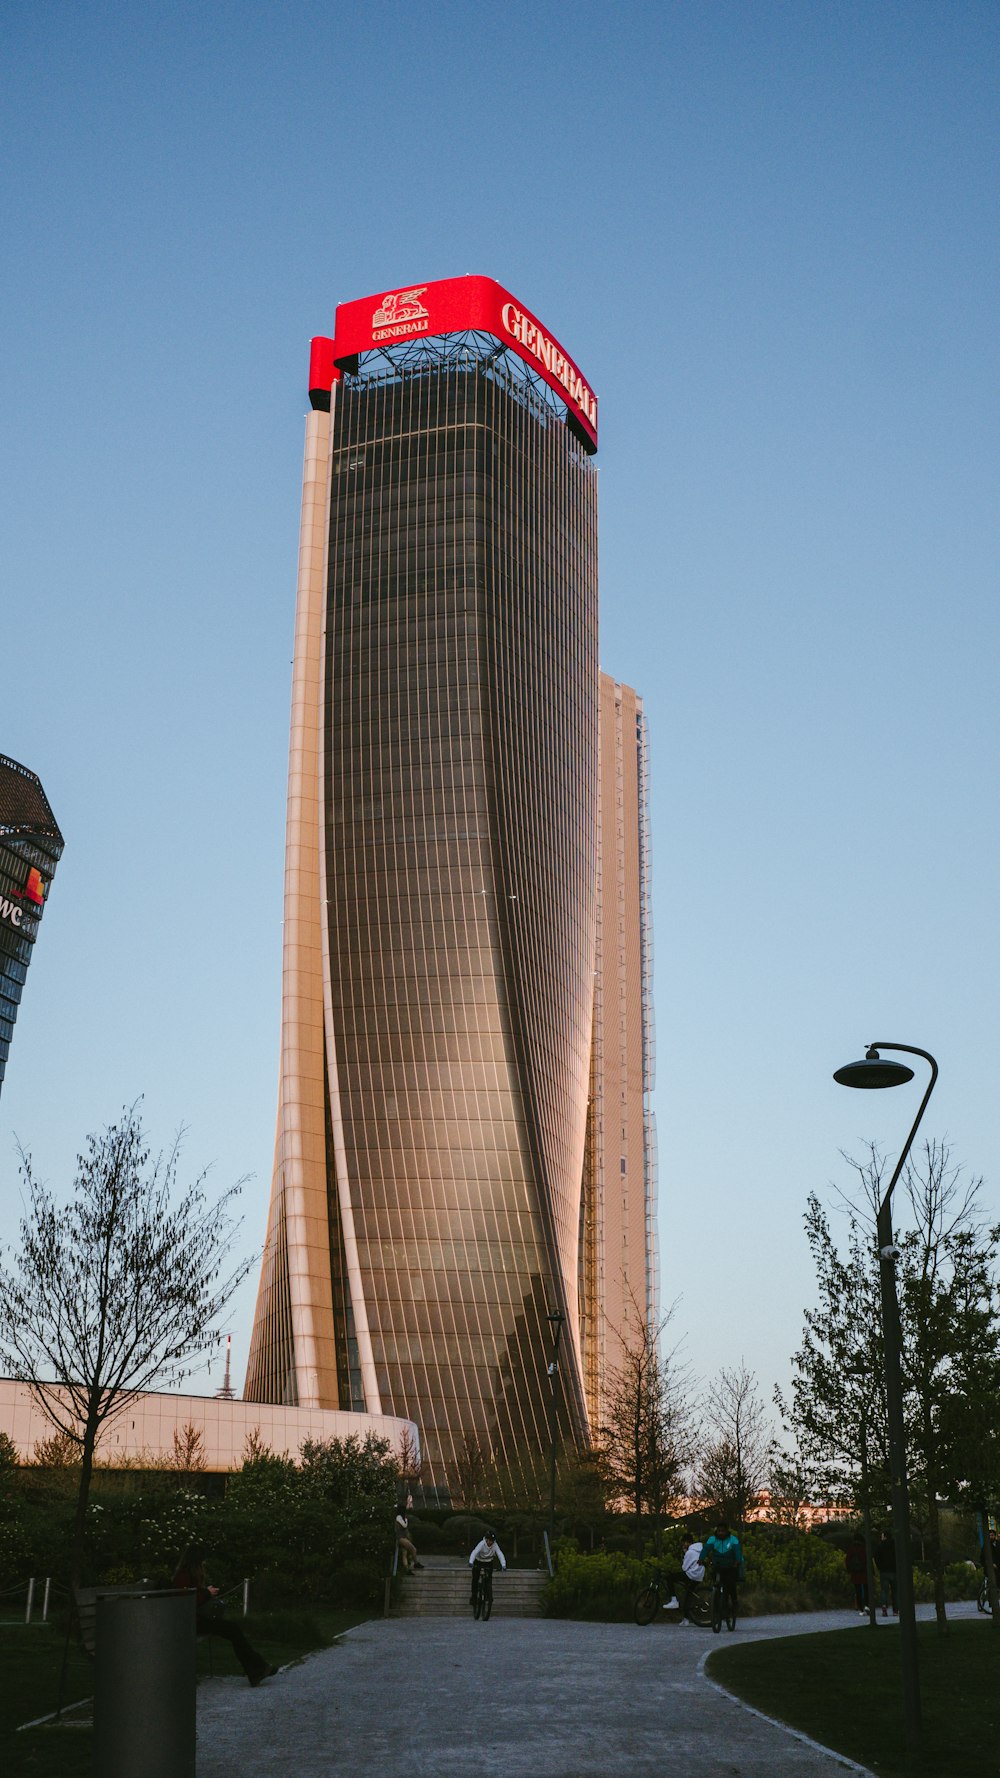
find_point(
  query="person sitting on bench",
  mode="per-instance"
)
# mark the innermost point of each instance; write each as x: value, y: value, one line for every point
x: 190, y: 1577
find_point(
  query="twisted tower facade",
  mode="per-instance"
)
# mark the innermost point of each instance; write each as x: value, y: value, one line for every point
x: 440, y: 938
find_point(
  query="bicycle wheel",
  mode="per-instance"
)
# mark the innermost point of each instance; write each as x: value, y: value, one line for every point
x: 700, y: 1610
x: 716, y: 1608
x: 983, y: 1598
x: 731, y: 1613
x: 487, y: 1600
x: 477, y: 1601
x: 647, y: 1604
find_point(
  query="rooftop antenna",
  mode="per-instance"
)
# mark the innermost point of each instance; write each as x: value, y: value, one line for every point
x: 227, y: 1392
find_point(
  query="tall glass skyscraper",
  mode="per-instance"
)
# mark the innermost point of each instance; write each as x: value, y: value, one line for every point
x: 441, y: 917
x: 30, y: 848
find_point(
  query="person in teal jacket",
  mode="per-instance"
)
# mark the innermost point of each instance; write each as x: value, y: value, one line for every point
x: 725, y: 1552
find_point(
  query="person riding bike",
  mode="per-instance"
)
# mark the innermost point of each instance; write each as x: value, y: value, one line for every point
x: 481, y: 1559
x: 724, y: 1551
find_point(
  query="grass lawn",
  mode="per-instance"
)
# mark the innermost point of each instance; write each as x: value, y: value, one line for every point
x: 30, y: 1659
x: 843, y: 1688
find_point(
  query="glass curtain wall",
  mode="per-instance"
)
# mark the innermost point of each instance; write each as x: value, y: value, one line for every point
x: 460, y: 769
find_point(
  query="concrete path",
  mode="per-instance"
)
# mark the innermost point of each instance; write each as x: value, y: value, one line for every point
x: 514, y: 1698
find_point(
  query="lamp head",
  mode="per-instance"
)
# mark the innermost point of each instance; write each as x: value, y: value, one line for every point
x: 874, y: 1071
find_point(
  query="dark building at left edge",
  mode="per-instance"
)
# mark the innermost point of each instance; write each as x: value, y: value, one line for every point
x: 30, y: 848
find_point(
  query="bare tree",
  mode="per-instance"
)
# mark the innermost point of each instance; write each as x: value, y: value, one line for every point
x: 734, y: 1462
x: 647, y: 1434
x: 408, y: 1460
x: 255, y: 1448
x: 117, y: 1290
x: 189, y: 1449
x: 470, y: 1471
x: 56, y: 1452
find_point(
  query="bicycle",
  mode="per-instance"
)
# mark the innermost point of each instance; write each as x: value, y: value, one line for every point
x: 723, y: 1604
x: 695, y: 1607
x: 983, y: 1597
x: 482, y: 1591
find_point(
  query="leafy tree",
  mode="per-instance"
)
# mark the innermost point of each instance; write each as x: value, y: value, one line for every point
x: 584, y: 1486
x: 837, y: 1399
x: 791, y: 1487
x: 8, y: 1461
x: 646, y: 1439
x: 951, y: 1341
x: 951, y: 1335
x: 118, y: 1289
x: 733, y: 1464
x: 322, y: 1526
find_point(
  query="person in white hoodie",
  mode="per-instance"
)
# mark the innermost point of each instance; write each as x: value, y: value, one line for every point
x: 482, y: 1558
x: 690, y: 1575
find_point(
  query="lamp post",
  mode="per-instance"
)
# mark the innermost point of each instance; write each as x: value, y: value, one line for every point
x: 875, y: 1072
x: 556, y: 1320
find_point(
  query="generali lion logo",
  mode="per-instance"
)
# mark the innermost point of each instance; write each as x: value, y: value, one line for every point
x: 400, y: 307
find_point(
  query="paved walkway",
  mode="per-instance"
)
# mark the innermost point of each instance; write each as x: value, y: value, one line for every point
x: 514, y: 1698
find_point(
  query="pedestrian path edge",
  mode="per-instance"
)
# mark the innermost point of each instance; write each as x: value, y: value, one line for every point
x: 849, y: 1765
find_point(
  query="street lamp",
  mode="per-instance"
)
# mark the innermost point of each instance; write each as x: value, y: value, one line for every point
x: 874, y: 1072
x: 556, y: 1320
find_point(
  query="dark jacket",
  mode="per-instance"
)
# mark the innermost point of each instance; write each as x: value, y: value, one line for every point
x: 885, y: 1556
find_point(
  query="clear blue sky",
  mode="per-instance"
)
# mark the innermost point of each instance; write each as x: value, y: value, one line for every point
x: 768, y: 234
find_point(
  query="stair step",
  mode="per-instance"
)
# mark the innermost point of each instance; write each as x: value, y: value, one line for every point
x: 444, y: 1592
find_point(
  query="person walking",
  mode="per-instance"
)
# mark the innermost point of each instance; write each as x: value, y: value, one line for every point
x: 190, y: 1577
x: 856, y: 1563
x: 885, y: 1562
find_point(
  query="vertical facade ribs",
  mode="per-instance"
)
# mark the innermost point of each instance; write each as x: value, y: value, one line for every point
x: 460, y: 724
x: 439, y: 1182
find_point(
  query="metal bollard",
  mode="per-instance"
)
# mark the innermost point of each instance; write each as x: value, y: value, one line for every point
x: 31, y: 1601
x: 45, y: 1599
x: 246, y: 1597
x: 144, y: 1693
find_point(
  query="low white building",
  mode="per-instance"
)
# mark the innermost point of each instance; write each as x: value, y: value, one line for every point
x: 143, y: 1433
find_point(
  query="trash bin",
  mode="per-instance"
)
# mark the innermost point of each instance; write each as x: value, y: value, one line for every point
x: 144, y: 1692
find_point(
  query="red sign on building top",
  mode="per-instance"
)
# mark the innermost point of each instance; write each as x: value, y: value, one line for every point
x: 457, y: 305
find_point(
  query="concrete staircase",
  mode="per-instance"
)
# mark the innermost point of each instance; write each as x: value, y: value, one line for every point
x: 443, y: 1590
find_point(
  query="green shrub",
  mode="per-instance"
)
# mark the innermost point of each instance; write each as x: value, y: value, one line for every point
x: 786, y: 1571
x: 962, y: 1580
x: 799, y: 1569
x: 601, y: 1587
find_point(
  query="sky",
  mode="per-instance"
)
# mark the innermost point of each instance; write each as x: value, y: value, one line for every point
x: 767, y: 233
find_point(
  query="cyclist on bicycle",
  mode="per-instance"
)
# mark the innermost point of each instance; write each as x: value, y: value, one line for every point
x: 482, y: 1558
x: 724, y: 1551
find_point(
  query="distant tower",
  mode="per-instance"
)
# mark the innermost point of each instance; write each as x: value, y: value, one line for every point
x: 30, y: 848
x: 227, y: 1392
x: 619, y: 1265
x: 464, y: 1140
